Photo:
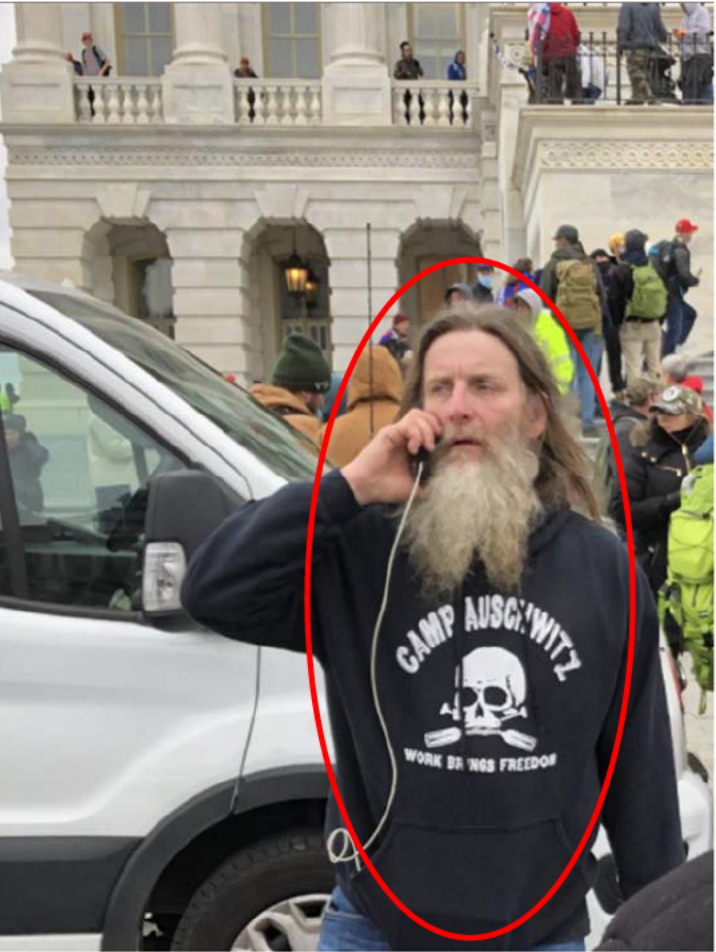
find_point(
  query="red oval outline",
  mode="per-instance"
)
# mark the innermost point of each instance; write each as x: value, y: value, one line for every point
x: 307, y: 605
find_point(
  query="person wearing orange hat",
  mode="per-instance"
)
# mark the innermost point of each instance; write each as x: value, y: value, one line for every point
x: 680, y: 315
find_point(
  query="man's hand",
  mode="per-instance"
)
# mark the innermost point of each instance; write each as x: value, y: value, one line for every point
x: 382, y: 473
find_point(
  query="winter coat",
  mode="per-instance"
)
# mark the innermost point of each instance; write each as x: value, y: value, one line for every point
x: 482, y: 294
x: 290, y: 406
x: 654, y: 466
x: 696, y: 27
x: 549, y: 283
x: 378, y: 404
x: 621, y: 281
x: 675, y: 912
x: 456, y: 71
x: 640, y: 26
x: 682, y: 278
x: 552, y: 340
x: 562, y: 37
x: 407, y: 69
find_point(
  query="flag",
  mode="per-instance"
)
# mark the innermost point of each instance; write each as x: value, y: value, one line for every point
x: 538, y: 17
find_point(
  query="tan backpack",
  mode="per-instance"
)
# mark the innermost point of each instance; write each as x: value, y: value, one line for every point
x: 577, y: 296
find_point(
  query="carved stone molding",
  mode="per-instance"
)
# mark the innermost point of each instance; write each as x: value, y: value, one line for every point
x: 448, y: 158
x: 626, y: 155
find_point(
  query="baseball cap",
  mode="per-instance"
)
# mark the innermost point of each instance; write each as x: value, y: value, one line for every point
x: 677, y: 399
x: 568, y: 232
x: 86, y: 36
x: 685, y: 227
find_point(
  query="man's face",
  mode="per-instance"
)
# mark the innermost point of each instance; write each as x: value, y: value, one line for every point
x: 86, y: 41
x: 480, y: 500
x: 407, y: 52
x: 560, y: 243
x: 402, y: 328
x: 602, y: 260
x: 676, y: 422
x: 455, y: 298
x: 472, y: 382
x: 686, y: 238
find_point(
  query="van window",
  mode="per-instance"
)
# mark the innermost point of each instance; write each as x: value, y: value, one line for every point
x: 79, y: 473
x: 282, y: 448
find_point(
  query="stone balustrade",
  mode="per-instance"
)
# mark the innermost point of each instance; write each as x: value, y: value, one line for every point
x: 433, y: 103
x: 118, y: 101
x: 262, y: 102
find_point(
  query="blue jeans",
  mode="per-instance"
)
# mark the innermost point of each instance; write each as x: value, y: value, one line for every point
x: 674, y: 323
x: 689, y: 315
x: 583, y: 386
x: 344, y: 929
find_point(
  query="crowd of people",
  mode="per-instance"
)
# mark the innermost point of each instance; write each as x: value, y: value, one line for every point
x: 470, y: 618
x: 561, y: 63
x: 630, y: 298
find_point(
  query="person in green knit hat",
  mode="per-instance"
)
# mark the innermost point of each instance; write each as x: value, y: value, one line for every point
x: 549, y: 334
x: 299, y: 382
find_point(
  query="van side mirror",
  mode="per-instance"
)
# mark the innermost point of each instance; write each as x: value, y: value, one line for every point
x: 183, y: 509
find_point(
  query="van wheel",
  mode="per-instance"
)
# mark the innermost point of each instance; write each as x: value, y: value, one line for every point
x: 270, y: 895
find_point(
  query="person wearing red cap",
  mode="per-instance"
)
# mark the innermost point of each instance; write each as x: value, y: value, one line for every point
x: 94, y: 59
x: 680, y: 315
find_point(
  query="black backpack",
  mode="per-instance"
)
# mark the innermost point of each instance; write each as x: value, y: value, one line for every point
x: 663, y: 260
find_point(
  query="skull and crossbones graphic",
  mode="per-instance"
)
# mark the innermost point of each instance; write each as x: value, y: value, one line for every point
x: 490, y: 692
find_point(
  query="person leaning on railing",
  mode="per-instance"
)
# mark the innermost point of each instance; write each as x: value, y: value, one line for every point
x: 697, y: 58
x: 639, y: 32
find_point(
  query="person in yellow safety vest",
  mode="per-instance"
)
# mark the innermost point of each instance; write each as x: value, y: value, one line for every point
x: 5, y: 405
x: 549, y: 334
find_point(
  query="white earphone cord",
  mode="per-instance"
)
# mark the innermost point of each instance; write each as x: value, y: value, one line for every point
x: 348, y: 851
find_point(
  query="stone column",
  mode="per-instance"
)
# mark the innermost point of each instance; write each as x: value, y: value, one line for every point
x: 356, y: 85
x: 37, y: 85
x: 197, y: 84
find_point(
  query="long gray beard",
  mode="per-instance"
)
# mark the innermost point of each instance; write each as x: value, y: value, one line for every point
x: 472, y: 509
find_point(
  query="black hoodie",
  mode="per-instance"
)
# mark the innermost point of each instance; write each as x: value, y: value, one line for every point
x: 496, y: 784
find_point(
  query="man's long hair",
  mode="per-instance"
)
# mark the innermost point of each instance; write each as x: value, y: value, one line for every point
x: 562, y: 477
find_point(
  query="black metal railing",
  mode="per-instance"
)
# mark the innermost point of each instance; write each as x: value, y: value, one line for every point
x: 680, y: 70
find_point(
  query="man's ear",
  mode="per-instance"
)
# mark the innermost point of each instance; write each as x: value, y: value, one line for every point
x: 536, y: 416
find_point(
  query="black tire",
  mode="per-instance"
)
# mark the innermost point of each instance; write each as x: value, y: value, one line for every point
x: 251, y: 881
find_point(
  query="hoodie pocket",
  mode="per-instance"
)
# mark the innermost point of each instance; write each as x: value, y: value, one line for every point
x: 477, y: 879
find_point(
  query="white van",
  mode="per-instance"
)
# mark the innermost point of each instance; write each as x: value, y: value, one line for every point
x: 160, y: 786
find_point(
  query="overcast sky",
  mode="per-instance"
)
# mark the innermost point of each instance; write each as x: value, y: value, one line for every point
x: 7, y: 41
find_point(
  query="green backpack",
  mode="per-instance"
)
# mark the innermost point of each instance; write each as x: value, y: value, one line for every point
x: 649, y: 298
x: 688, y: 593
x: 577, y: 296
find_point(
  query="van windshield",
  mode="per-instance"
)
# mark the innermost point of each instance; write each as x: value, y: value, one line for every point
x: 277, y: 444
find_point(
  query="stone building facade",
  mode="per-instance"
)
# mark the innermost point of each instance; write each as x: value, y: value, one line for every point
x: 180, y: 194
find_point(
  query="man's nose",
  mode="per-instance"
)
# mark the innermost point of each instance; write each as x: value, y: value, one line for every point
x: 459, y: 407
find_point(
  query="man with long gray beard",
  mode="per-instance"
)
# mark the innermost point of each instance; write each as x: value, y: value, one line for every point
x: 474, y: 635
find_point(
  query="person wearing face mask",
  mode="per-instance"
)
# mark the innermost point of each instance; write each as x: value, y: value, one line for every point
x: 482, y: 289
x: 660, y: 454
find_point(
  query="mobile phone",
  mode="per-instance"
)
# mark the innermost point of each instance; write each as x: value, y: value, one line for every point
x: 423, y: 456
